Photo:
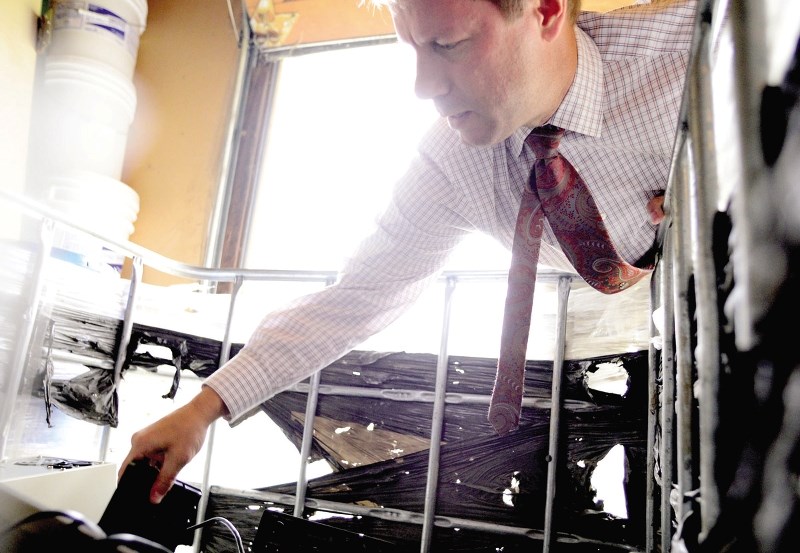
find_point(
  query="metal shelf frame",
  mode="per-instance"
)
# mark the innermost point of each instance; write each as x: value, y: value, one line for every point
x: 142, y: 257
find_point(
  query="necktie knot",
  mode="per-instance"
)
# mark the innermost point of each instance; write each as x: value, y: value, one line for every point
x: 544, y: 141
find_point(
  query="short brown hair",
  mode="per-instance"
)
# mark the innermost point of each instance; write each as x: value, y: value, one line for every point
x: 509, y: 8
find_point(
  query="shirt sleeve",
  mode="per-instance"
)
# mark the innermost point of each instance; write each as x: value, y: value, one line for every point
x: 380, y: 281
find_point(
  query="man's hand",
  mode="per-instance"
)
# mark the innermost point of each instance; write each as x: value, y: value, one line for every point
x: 172, y: 441
x: 655, y: 207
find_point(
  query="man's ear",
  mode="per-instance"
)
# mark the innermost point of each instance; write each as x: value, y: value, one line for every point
x: 553, y: 17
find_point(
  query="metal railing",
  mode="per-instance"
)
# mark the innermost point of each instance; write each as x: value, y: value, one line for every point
x: 685, y: 395
x: 685, y: 274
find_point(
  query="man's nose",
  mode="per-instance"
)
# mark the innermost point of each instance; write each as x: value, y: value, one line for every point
x: 432, y: 80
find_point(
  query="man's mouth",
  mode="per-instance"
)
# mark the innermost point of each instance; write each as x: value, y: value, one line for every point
x: 456, y: 118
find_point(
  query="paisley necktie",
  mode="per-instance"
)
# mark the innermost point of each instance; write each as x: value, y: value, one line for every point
x: 557, y: 192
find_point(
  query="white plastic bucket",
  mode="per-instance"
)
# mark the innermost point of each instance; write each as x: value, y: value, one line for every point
x: 89, y: 89
x: 109, y: 212
x: 104, y: 206
x: 70, y: 142
x: 83, y: 118
x: 103, y: 31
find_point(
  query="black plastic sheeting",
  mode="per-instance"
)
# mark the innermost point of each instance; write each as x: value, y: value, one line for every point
x: 92, y: 395
x: 378, y: 448
x: 476, y: 466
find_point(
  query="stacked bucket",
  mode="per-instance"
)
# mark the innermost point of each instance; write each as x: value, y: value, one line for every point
x: 84, y: 108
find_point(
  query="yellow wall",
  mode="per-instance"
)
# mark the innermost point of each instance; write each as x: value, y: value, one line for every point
x: 185, y: 75
x: 17, y: 71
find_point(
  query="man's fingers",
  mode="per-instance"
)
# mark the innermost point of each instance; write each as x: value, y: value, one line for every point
x: 161, y: 486
x: 168, y: 468
x: 655, y: 207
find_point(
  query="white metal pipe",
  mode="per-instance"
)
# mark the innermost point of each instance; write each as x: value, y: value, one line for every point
x: 437, y: 422
x: 667, y: 402
x: 555, y: 409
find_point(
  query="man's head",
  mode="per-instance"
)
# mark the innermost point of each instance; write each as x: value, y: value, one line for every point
x: 490, y: 66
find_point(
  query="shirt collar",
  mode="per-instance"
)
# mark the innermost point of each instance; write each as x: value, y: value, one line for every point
x: 581, y: 111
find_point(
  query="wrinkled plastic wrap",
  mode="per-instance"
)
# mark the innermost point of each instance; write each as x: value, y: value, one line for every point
x: 379, y: 449
x: 92, y: 395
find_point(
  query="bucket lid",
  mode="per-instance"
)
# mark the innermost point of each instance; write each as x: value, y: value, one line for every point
x: 89, y: 188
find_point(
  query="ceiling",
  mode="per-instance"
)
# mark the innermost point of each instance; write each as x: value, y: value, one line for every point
x: 280, y: 23
x: 293, y: 22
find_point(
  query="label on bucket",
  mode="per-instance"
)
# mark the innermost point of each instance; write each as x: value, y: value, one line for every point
x: 100, y: 9
x: 93, y: 18
x: 108, y: 259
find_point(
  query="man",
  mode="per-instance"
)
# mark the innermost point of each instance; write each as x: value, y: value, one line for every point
x: 494, y: 70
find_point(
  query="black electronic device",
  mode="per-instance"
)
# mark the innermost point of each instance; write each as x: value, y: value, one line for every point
x: 129, y: 510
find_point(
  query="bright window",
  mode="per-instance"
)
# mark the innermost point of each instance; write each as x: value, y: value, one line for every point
x: 345, y: 125
x: 344, y: 128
